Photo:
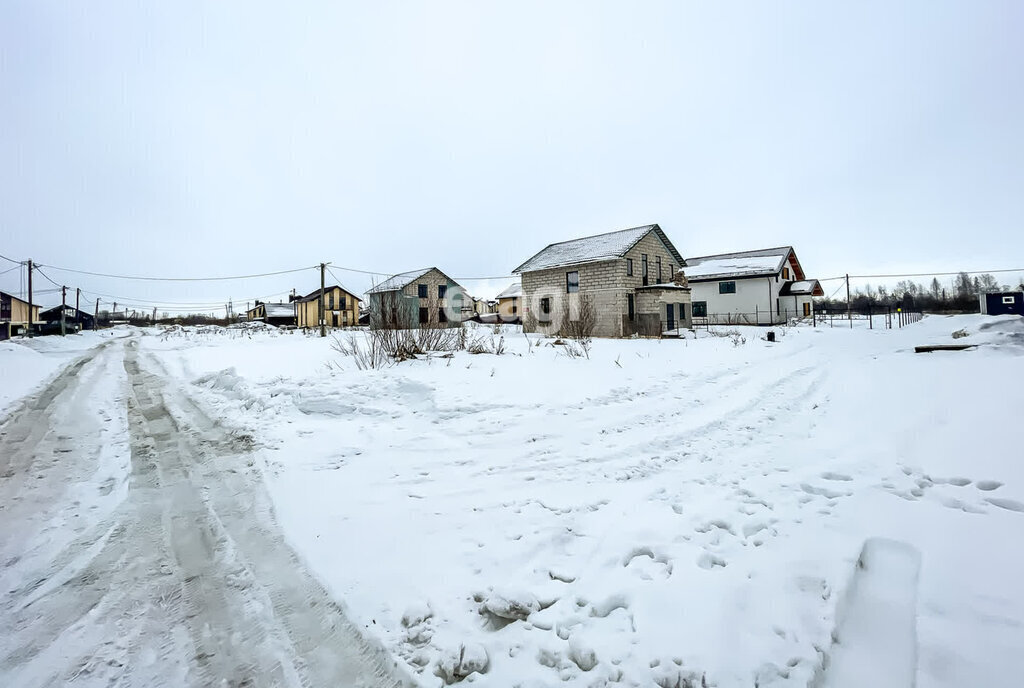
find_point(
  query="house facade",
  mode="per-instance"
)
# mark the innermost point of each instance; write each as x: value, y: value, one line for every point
x: 14, y: 315
x: 510, y: 303
x: 627, y: 278
x: 763, y: 287
x: 418, y: 298
x: 341, y: 308
x: 276, y: 314
x: 74, y: 319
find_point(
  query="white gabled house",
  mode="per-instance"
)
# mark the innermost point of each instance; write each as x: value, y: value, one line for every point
x: 764, y: 287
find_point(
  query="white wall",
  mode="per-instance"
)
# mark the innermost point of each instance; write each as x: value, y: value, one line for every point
x: 753, y: 302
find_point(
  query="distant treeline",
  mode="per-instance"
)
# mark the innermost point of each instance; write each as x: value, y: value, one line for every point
x: 910, y: 295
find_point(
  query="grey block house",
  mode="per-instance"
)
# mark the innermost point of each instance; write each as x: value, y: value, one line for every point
x: 629, y: 277
x: 426, y: 297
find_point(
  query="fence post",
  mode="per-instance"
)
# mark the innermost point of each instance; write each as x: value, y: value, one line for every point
x: 871, y: 318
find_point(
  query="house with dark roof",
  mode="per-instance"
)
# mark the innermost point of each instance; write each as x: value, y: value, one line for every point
x: 74, y: 319
x: 418, y: 298
x: 762, y: 287
x: 340, y: 308
x: 624, y: 278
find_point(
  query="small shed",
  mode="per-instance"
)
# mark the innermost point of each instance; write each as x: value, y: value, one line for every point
x: 1002, y: 303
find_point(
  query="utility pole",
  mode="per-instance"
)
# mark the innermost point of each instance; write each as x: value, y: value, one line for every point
x: 96, y: 316
x: 849, y: 313
x: 63, y: 307
x: 323, y: 319
x: 154, y: 316
x: 30, y: 298
x: 78, y: 313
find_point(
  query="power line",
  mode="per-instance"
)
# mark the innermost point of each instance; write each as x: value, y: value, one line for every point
x: 19, y: 262
x: 936, y: 274
x: 16, y: 267
x: 182, y: 279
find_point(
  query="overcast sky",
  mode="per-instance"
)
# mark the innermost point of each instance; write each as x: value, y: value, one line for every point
x: 185, y: 139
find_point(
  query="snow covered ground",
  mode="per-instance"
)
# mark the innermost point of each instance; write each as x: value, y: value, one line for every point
x: 828, y: 510
x: 661, y: 513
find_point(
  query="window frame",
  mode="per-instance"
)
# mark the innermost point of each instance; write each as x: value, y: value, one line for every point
x: 727, y: 287
x: 701, y: 306
x: 442, y: 291
x: 442, y: 315
x: 657, y: 263
x: 1009, y: 299
x: 569, y: 284
x: 424, y: 315
x: 545, y: 309
x: 630, y: 308
x: 421, y: 291
x: 643, y: 268
x: 629, y: 267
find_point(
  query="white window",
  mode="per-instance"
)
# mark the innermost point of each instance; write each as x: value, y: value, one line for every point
x: 1009, y: 299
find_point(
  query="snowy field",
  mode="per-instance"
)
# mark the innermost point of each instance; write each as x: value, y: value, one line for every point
x: 832, y: 509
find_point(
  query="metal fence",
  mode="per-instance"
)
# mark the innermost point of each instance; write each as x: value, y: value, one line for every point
x: 886, y: 317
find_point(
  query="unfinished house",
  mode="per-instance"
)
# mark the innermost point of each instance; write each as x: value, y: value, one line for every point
x: 624, y: 280
x: 340, y: 308
x: 763, y: 287
x: 15, y: 315
x: 419, y: 298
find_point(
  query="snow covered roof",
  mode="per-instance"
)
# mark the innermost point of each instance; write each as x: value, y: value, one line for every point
x: 399, y: 281
x: 594, y: 248
x: 802, y: 288
x: 280, y: 310
x: 514, y: 290
x: 766, y: 261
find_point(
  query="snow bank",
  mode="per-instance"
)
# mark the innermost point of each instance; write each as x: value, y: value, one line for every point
x: 667, y: 513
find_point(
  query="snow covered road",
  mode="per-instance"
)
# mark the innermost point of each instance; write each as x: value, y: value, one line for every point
x: 139, y: 548
x: 666, y: 514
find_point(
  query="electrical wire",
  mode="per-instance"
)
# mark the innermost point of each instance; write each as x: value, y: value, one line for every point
x: 16, y: 267
x: 182, y: 279
x: 19, y: 262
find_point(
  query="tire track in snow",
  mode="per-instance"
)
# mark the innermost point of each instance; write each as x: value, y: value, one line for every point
x: 187, y: 583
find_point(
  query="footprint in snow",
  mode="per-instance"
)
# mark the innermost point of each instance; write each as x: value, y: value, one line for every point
x: 1008, y: 504
x: 988, y: 485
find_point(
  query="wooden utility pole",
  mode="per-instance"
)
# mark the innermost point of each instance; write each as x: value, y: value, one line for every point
x: 78, y: 313
x: 849, y: 313
x: 63, y: 307
x: 30, y: 298
x: 323, y: 318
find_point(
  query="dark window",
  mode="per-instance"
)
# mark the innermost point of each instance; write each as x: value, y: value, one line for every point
x: 643, y: 268
x: 330, y: 300
x: 671, y: 272
x: 726, y: 287
x: 424, y: 315
x: 572, y: 282
x: 343, y: 306
x: 545, y: 309
x: 682, y: 312
x: 630, y: 308
x: 442, y: 315
x: 442, y: 289
x: 700, y: 309
x: 422, y: 290
x: 657, y: 261
x: 629, y: 266
x: 778, y: 307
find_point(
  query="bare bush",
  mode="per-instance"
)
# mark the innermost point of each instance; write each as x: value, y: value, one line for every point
x: 581, y: 329
x: 370, y: 355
